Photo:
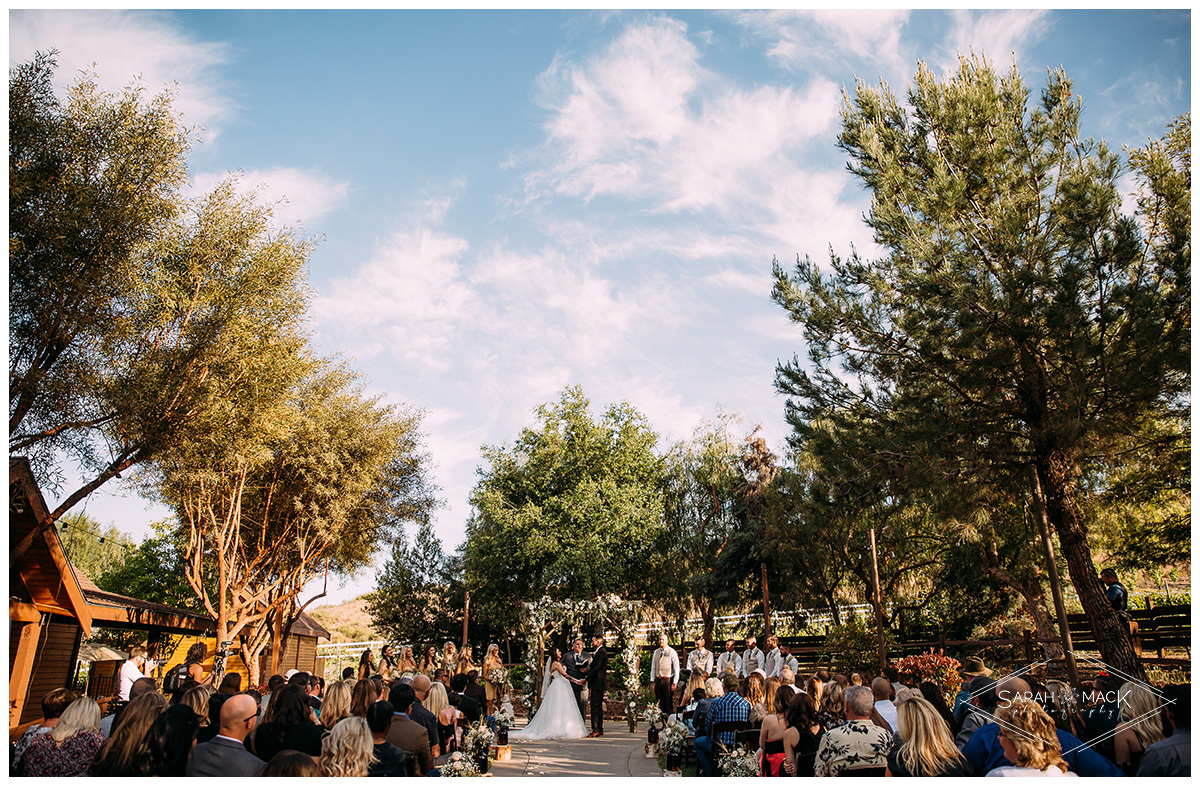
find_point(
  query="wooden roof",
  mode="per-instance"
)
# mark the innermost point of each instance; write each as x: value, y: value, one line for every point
x: 307, y: 625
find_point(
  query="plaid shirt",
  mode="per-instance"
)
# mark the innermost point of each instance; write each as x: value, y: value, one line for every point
x: 730, y: 707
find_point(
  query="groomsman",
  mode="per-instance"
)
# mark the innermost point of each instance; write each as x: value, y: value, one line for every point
x: 752, y: 657
x: 700, y: 659
x: 774, y: 659
x: 788, y: 660
x: 729, y: 662
x: 664, y: 674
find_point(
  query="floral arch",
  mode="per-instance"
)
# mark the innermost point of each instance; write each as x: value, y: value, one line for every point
x: 545, y: 615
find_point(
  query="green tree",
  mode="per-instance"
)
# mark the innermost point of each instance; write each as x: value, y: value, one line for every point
x: 1018, y: 319
x: 573, y: 508
x: 156, y: 571
x: 91, y: 547
x: 414, y: 597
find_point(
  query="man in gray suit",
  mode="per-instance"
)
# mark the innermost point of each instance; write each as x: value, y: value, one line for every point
x: 225, y: 755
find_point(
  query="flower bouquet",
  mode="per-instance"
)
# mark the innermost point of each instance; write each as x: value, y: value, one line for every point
x: 498, y: 677
x: 459, y: 765
x: 478, y: 739
x: 740, y: 763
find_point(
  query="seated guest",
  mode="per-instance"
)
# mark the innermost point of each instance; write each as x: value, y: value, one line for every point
x: 347, y: 673
x: 289, y: 763
x: 406, y: 735
x: 230, y: 685
x: 54, y: 703
x: 1100, y: 720
x: 1059, y: 701
x: 469, y: 707
x: 139, y: 687
x: 832, y: 710
x: 165, y: 749
x: 972, y: 668
x: 804, y: 736
x: 347, y: 750
x: 274, y: 683
x: 933, y: 693
x: 926, y: 747
x: 116, y: 756
x: 756, y: 689
x: 985, y: 753
x: 336, y: 706
x: 316, y: 686
x: 362, y: 695
x: 857, y: 744
x: 775, y: 738
x: 1029, y: 742
x: 225, y: 755
x: 1140, y: 726
x: 210, y: 720
x: 983, y: 709
x: 1172, y: 757
x: 882, y: 690
x: 474, y: 690
x: 292, y: 725
x: 730, y: 707
x: 68, y: 748
x: 387, y: 761
x: 713, y: 689
x: 422, y: 686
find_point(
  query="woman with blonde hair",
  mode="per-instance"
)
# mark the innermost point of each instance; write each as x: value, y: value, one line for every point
x: 405, y: 663
x: 1140, y: 726
x: 362, y: 695
x: 815, y: 687
x: 491, y: 661
x: 115, y: 758
x: 449, y: 657
x: 756, y: 696
x: 438, y: 704
x: 928, y: 748
x: 464, y: 664
x: 196, y: 699
x: 348, y: 749
x: 832, y: 712
x: 336, y: 705
x: 1030, y: 743
x: 68, y: 749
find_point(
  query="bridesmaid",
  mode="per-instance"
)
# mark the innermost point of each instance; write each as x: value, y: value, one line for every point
x: 430, y: 662
x: 449, y: 657
x: 490, y: 662
x: 406, y: 664
x: 465, y: 663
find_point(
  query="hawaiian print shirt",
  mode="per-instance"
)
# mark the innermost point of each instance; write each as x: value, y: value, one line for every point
x: 855, y: 745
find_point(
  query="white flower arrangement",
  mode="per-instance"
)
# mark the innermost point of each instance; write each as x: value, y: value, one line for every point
x: 674, y: 737
x: 653, y: 716
x: 459, y: 765
x: 478, y: 739
x: 740, y: 763
x: 505, y: 719
x: 498, y: 677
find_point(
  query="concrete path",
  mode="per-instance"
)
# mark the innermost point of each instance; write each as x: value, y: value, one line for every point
x: 618, y: 753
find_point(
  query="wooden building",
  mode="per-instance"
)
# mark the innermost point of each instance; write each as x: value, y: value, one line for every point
x: 52, y: 607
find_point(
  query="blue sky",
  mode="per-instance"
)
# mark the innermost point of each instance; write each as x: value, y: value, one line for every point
x: 511, y: 202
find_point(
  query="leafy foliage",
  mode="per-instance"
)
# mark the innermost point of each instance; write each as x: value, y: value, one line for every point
x: 413, y: 601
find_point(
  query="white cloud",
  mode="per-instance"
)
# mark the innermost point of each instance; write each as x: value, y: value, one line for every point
x: 802, y: 38
x: 997, y: 34
x: 297, y: 197
x: 125, y: 44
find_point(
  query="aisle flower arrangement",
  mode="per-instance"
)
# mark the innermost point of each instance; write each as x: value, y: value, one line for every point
x: 478, y: 739
x: 653, y: 716
x: 674, y: 737
x: 504, y: 719
x: 740, y: 763
x: 459, y: 765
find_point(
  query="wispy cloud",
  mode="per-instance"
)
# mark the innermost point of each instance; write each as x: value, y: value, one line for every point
x: 128, y: 44
x: 803, y: 39
x: 1000, y: 35
x: 297, y: 197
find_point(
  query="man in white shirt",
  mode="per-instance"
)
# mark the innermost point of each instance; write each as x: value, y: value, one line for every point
x: 700, y: 659
x: 752, y: 657
x: 131, y: 671
x: 788, y: 660
x: 729, y: 662
x: 664, y: 674
x: 774, y: 659
x: 882, y: 689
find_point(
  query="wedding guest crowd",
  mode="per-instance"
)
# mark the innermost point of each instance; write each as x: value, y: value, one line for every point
x: 864, y: 725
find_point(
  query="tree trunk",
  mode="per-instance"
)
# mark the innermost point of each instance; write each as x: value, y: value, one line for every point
x: 1112, y: 634
x: 706, y: 615
x: 1030, y: 589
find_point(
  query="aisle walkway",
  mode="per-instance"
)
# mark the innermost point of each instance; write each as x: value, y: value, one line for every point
x: 618, y: 753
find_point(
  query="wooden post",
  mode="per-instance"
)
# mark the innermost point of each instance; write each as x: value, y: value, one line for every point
x: 878, y: 604
x: 22, y: 670
x: 276, y: 644
x: 466, y: 615
x: 1064, y: 628
x: 766, y: 605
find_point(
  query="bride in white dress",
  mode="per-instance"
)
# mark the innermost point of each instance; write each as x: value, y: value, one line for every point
x: 558, y: 717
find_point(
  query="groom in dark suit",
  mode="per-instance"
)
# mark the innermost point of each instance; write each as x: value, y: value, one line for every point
x: 597, y: 681
x: 576, y: 664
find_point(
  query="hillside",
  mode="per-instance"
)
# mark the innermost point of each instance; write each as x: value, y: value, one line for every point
x: 347, y: 622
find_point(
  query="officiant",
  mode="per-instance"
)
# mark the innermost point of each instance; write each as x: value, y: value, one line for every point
x: 576, y: 665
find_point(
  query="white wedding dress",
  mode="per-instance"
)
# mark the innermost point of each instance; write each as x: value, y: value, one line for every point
x: 558, y: 717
